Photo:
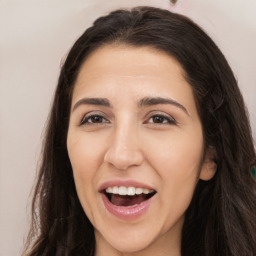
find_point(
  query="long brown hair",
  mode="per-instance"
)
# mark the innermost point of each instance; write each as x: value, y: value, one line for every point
x: 221, y: 219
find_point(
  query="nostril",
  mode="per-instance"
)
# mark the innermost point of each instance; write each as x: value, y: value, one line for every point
x: 123, y: 158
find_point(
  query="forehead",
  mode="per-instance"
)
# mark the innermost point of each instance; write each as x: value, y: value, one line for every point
x: 126, y: 60
x: 135, y: 71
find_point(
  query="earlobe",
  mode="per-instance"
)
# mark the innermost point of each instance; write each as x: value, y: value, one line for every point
x: 209, y: 166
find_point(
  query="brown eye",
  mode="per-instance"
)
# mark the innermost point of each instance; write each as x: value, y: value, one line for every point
x: 94, y: 119
x: 160, y: 119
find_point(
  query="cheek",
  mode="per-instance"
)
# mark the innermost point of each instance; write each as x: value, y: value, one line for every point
x: 177, y: 151
x: 85, y: 153
x: 84, y: 157
x: 177, y: 160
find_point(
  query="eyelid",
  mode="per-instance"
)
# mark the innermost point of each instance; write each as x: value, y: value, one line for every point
x: 170, y: 119
x: 90, y: 115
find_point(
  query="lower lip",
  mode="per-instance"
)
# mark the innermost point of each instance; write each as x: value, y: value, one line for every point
x: 127, y: 212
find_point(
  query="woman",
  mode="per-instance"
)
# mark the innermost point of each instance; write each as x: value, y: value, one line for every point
x: 148, y: 149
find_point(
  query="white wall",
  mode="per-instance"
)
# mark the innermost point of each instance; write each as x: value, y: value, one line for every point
x: 34, y: 37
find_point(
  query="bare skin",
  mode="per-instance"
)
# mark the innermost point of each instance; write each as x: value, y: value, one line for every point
x: 134, y: 117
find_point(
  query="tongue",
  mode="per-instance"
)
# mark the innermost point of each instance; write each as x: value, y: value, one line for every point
x: 127, y: 200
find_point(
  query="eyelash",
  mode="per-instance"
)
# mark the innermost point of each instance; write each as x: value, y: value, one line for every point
x: 167, y: 119
x: 87, y: 120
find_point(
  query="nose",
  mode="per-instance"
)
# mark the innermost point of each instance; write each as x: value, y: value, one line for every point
x: 124, y: 149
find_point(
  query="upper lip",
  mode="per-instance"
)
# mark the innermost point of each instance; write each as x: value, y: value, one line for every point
x: 125, y: 183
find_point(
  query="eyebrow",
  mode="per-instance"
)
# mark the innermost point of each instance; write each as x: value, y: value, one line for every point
x: 147, y: 101
x: 92, y: 101
x: 150, y: 101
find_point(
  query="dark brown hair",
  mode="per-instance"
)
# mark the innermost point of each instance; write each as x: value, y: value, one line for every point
x: 221, y: 219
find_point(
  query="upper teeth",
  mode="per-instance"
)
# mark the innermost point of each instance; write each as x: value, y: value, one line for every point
x: 130, y: 191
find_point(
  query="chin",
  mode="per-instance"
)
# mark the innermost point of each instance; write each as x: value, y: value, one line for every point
x: 130, y: 245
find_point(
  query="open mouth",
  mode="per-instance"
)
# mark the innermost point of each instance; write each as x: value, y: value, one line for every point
x: 128, y: 196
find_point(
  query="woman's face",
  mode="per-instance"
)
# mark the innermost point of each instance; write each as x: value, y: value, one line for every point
x: 135, y: 143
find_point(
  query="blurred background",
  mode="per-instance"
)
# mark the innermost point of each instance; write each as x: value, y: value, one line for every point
x: 35, y: 37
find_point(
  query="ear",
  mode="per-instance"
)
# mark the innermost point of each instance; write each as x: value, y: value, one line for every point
x: 209, y: 166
